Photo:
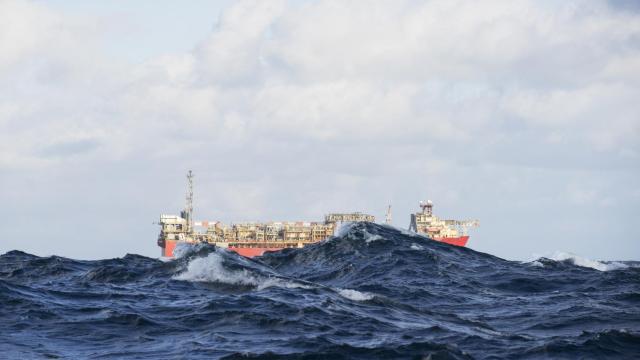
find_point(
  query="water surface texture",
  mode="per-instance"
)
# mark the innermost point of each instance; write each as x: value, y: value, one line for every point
x: 371, y: 292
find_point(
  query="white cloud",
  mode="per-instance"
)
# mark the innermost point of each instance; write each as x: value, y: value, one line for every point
x: 333, y: 71
x: 24, y: 29
x: 284, y: 97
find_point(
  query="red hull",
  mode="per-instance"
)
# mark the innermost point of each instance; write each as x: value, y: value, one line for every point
x: 169, y: 246
x: 457, y: 241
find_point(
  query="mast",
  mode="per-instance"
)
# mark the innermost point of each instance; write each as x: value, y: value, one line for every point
x: 189, y: 203
x: 387, y: 218
x: 427, y: 208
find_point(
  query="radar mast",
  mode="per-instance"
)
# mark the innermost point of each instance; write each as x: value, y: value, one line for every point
x: 427, y: 208
x: 387, y: 218
x: 188, y: 210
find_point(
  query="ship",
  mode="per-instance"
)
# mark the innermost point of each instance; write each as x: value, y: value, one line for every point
x: 252, y: 239
x: 247, y: 238
x: 452, y: 232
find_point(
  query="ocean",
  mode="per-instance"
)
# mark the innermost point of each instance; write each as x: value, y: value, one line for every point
x: 372, y: 292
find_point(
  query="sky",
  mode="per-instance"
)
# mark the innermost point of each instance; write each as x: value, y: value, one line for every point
x: 522, y: 114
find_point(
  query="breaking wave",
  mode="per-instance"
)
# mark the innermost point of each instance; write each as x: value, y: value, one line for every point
x: 355, y: 295
x: 371, y: 292
x: 581, y: 261
x: 212, y: 269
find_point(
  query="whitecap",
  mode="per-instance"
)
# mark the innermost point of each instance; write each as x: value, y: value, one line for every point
x: 584, y: 262
x: 371, y: 238
x: 211, y: 269
x: 355, y: 294
x: 183, y: 249
x: 343, y: 229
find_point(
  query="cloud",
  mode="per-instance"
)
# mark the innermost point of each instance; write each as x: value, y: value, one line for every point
x: 24, y: 28
x: 69, y: 148
x: 445, y: 71
x: 348, y: 103
x: 333, y: 71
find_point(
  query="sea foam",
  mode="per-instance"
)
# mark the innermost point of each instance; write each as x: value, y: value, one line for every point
x: 183, y: 249
x: 355, y: 294
x: 581, y: 261
x: 211, y: 269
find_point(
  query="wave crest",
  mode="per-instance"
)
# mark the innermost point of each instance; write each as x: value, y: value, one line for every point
x: 355, y: 294
x: 211, y: 269
x: 580, y: 261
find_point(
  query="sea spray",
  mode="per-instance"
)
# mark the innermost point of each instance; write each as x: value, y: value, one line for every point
x: 579, y: 261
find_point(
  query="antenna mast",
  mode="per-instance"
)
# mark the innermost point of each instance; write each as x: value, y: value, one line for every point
x: 427, y: 208
x: 387, y: 218
x: 189, y: 205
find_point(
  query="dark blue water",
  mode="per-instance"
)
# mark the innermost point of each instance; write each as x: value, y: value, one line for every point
x: 373, y: 292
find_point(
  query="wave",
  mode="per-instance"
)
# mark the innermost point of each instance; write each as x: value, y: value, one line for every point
x: 210, y: 269
x: 370, y: 292
x: 216, y: 268
x: 183, y: 249
x: 355, y: 295
x: 580, y: 261
x: 601, y: 344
